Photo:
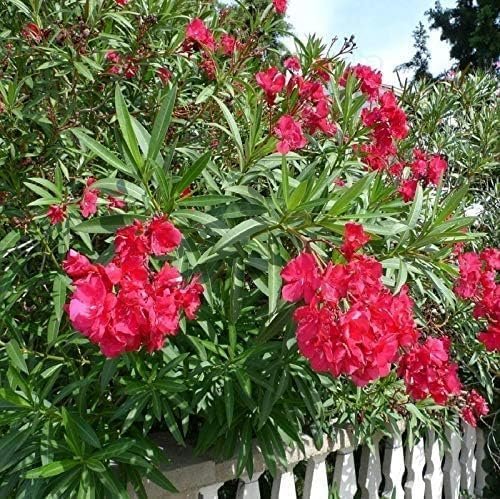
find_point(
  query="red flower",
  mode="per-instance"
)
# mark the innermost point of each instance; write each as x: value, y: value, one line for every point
x: 407, y: 189
x: 113, y: 56
x: 370, y: 79
x: 124, y: 305
x: 491, y: 338
x: 427, y: 371
x: 56, y: 213
x: 122, y: 3
x: 475, y: 407
x: 198, y: 33
x: 272, y: 82
x: 437, y: 166
x: 302, y: 277
x: 114, y: 202
x: 292, y: 64
x: 88, y: 203
x: 164, y: 74
x: 130, y: 68
x: 354, y: 238
x: 280, y: 6
x: 228, y: 44
x: 163, y: 236
x: 470, y: 274
x: 207, y: 65
x: 290, y: 135
x: 32, y: 33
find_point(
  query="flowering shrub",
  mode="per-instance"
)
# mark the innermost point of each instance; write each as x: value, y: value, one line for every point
x: 294, y: 228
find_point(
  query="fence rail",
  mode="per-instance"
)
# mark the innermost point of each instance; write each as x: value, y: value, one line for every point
x: 388, y: 469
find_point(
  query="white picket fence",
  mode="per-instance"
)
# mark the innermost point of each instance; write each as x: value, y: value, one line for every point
x: 428, y: 470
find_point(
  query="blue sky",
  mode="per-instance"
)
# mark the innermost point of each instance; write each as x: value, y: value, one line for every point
x: 382, y: 29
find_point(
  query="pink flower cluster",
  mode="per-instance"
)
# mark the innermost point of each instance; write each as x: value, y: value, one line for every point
x: 369, y: 79
x: 312, y: 113
x: 120, y: 65
x: 125, y: 305
x: 427, y: 371
x: 280, y: 6
x: 350, y: 323
x: 478, y: 283
x: 388, y: 125
x: 475, y: 407
x: 424, y: 168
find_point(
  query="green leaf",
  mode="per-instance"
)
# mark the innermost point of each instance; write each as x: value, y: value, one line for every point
x: 273, y: 275
x: 51, y: 469
x: 240, y: 233
x: 101, y: 151
x: 229, y: 400
x: 16, y: 356
x: 108, y: 224
x: 161, y: 123
x: 85, y: 430
x: 120, y: 186
x: 9, y: 241
x: 350, y: 194
x: 192, y: 173
x: 59, y: 295
x: 127, y: 128
x: 236, y: 291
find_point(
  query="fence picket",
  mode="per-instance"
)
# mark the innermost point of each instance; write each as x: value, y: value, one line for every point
x: 370, y: 475
x: 468, y: 458
x: 415, y: 462
x: 394, y: 467
x: 451, y: 468
x: 210, y: 492
x: 316, y: 481
x: 284, y: 485
x: 433, y: 477
x: 344, y: 474
x: 248, y: 488
x: 480, y: 455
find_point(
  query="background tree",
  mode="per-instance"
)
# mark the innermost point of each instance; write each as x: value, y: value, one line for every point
x: 420, y: 60
x: 472, y: 29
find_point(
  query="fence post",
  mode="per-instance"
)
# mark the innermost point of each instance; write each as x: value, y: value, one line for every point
x: 415, y: 462
x: 394, y: 467
x: 468, y: 458
x: 433, y: 477
x: 344, y: 474
x: 284, y: 485
x: 248, y: 488
x: 210, y: 492
x: 451, y: 468
x: 370, y: 475
x: 316, y: 481
x: 480, y: 454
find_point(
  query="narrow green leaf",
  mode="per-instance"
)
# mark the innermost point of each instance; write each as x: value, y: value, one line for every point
x: 120, y: 186
x: 192, y: 173
x: 127, y: 128
x: 107, y: 224
x: 101, y: 151
x: 161, y: 123
x: 350, y: 194
x: 16, y: 356
x: 59, y: 295
x: 51, y: 469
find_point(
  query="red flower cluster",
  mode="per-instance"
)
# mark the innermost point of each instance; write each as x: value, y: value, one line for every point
x: 478, y: 283
x: 88, y: 203
x: 427, y: 371
x: 121, y: 65
x: 124, y: 305
x: 350, y: 324
x: 199, y: 36
x: 33, y: 34
x: 229, y: 44
x: 388, y: 123
x: 475, y: 407
x: 370, y: 79
x: 56, y: 213
x: 164, y: 74
x: 280, y: 6
x: 272, y: 81
x: 289, y: 133
x: 424, y: 168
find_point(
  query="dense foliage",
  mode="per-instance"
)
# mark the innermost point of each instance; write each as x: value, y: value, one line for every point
x: 225, y: 224
x: 472, y: 29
